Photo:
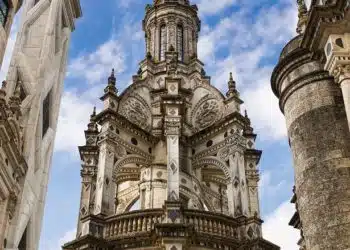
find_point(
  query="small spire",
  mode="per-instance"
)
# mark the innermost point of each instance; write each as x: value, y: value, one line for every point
x: 112, y: 80
x: 111, y: 88
x: 231, y: 87
x: 246, y: 114
x: 92, y: 126
x: 93, y: 112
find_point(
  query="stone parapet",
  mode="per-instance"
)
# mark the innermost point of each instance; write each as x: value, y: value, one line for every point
x: 149, y: 228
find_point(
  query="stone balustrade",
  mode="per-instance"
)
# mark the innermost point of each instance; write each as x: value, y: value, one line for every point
x: 144, y: 222
x: 144, y: 228
x: 132, y: 223
x: 212, y: 223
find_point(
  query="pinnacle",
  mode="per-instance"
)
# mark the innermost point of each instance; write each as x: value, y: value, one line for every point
x: 111, y: 84
x: 231, y: 87
x: 112, y: 79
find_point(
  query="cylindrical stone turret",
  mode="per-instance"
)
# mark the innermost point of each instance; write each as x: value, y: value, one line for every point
x: 320, y: 141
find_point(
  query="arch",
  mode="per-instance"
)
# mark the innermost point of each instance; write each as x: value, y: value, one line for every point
x: 211, y: 160
x: 133, y: 203
x: 129, y: 159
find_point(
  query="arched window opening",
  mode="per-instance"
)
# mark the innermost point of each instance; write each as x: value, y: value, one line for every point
x: 180, y: 42
x: 163, y: 42
x: 135, y: 205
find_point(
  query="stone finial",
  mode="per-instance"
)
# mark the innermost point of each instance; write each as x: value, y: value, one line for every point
x: 112, y: 80
x: 232, y: 91
x: 4, y: 84
x: 3, y: 90
x: 302, y: 15
x: 15, y: 102
x: 248, y: 130
x: 111, y: 88
x: 92, y: 126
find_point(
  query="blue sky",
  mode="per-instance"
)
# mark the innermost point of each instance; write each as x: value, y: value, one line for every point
x: 242, y: 36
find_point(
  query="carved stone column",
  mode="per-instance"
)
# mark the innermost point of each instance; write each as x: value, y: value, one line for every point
x: 172, y: 133
x: 342, y: 77
x: 171, y: 31
x: 337, y: 51
x: 105, y: 187
x: 237, y: 188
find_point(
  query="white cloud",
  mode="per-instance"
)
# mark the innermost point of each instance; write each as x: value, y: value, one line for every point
x: 264, y: 111
x: 97, y: 65
x: 57, y: 244
x: 73, y: 119
x: 207, y: 7
x: 277, y: 230
x: 250, y: 44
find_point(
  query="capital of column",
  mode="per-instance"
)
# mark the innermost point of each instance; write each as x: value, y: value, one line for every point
x: 172, y: 126
x: 341, y: 72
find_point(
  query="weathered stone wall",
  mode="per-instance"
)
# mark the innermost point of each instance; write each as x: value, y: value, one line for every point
x: 5, y: 30
x: 320, y: 142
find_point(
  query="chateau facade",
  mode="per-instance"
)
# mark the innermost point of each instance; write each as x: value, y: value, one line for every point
x: 29, y: 105
x: 174, y: 147
x: 8, y: 9
x: 312, y: 82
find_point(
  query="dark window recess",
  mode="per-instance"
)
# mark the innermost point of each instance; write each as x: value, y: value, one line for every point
x: 226, y: 134
x: 163, y: 42
x: 180, y: 42
x: 46, y: 113
x: 134, y: 141
x: 150, y: 150
x: 209, y: 143
x: 23, y: 243
x: 4, y: 11
x: 339, y: 42
x: 193, y: 151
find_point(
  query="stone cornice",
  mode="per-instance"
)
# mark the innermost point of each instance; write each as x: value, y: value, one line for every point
x: 217, y: 127
x: 320, y: 17
x: 111, y: 115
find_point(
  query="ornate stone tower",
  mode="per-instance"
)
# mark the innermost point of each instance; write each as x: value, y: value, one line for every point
x: 8, y: 9
x: 315, y: 109
x: 172, y: 161
x: 30, y: 100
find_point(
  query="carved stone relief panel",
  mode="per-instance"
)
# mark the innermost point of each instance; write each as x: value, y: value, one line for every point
x: 206, y: 112
x: 137, y: 111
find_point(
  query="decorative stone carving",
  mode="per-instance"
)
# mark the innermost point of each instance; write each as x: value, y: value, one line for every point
x: 206, y: 112
x: 137, y: 111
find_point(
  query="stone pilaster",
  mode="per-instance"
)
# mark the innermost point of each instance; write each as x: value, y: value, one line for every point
x: 172, y: 134
x: 105, y: 187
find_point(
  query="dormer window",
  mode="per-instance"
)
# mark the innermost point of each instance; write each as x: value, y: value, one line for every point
x: 4, y: 11
x: 180, y: 42
x: 162, y: 42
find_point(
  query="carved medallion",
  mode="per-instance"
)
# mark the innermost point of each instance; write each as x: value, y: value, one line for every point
x: 136, y: 111
x: 206, y: 113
